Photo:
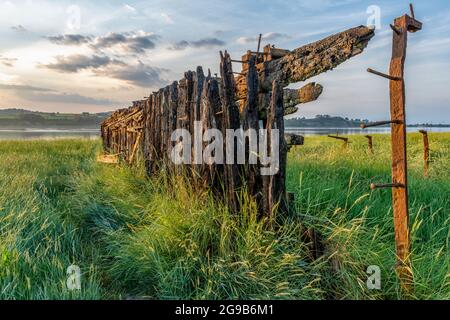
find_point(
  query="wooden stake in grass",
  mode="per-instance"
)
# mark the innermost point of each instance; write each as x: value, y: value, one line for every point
x: 401, y: 27
x: 370, y: 141
x: 135, y: 147
x: 340, y: 138
x: 399, y: 158
x: 426, y: 151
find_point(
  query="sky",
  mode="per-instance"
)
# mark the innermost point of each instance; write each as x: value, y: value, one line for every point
x: 94, y: 56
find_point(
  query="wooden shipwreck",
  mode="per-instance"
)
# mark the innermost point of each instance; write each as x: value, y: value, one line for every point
x: 255, y: 98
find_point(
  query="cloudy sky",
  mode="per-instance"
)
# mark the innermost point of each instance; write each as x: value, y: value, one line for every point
x: 78, y: 56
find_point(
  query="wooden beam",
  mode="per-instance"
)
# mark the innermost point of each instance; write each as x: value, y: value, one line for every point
x: 340, y: 138
x: 135, y: 147
x: 318, y: 57
x: 399, y: 153
x: 294, y: 97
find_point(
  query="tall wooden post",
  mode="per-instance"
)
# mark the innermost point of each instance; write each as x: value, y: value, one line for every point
x: 399, y: 185
x: 399, y: 158
x: 426, y: 151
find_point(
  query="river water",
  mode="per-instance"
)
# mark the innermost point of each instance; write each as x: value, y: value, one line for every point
x: 50, y: 134
x: 351, y: 131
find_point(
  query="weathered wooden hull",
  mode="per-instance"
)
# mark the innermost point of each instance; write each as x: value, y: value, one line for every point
x: 253, y: 100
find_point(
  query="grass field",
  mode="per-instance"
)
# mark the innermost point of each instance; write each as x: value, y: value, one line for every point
x: 157, y: 239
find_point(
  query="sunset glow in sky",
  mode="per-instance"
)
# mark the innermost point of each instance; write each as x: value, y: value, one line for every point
x: 78, y: 56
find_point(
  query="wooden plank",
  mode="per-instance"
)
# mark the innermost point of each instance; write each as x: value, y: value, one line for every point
x: 230, y: 121
x: 135, y: 147
x: 165, y: 130
x: 251, y: 122
x: 318, y: 57
x: 274, y: 188
x: 108, y: 158
x: 145, y: 133
x: 198, y: 95
x: 308, y: 93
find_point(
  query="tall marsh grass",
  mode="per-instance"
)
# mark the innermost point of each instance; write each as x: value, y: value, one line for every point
x: 332, y: 184
x: 139, y: 238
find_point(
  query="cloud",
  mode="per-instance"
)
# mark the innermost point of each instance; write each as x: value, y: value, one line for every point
x: 33, y: 93
x: 7, y: 62
x: 270, y: 36
x: 19, y: 28
x: 70, y: 39
x: 140, y: 75
x: 202, y: 43
x: 62, y: 97
x: 134, y: 42
x: 19, y: 87
x: 79, y: 62
x: 208, y: 42
x: 180, y: 45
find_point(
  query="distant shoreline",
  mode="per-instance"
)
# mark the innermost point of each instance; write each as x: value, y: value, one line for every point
x: 357, y: 127
x: 20, y: 119
x: 43, y: 128
x: 74, y: 129
x: 334, y: 122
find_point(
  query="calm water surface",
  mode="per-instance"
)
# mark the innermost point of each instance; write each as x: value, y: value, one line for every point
x: 47, y: 134
x: 351, y: 131
x: 50, y: 134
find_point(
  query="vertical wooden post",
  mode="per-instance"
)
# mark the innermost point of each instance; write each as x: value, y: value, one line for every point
x: 274, y: 185
x: 146, y: 134
x: 196, y: 112
x: 231, y: 120
x: 426, y: 151
x: 370, y: 141
x: 211, y: 105
x: 164, y: 123
x: 251, y: 122
x: 399, y: 184
x: 399, y: 158
x: 135, y: 148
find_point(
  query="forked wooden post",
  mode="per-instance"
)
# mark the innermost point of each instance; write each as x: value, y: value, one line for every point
x: 401, y: 27
x: 340, y: 138
x: 426, y: 151
x: 370, y: 141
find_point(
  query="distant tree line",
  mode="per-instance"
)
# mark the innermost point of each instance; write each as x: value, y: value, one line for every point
x: 325, y: 121
x: 19, y: 118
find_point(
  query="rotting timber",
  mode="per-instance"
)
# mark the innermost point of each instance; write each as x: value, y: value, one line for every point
x: 254, y: 99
